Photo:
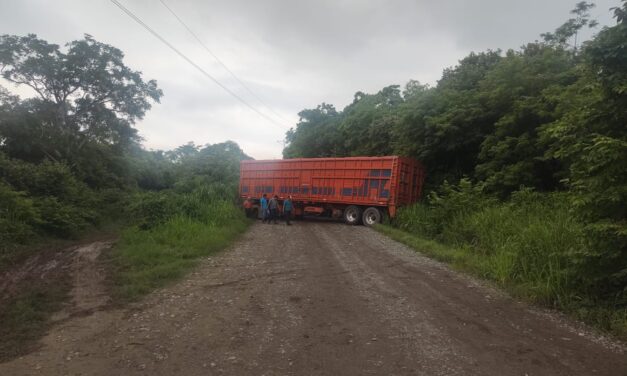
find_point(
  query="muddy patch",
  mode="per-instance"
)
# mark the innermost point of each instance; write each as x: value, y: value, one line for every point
x: 50, y: 287
x: 88, y: 291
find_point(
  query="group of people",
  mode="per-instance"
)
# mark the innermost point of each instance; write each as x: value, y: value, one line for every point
x: 270, y: 209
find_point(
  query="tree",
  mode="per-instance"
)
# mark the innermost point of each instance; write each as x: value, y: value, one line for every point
x: 367, y: 123
x: 445, y: 126
x: 512, y: 155
x: 414, y: 88
x: 87, y: 92
x: 590, y: 138
x: 183, y: 152
x: 86, y: 103
x: 203, y: 165
x: 316, y: 134
x: 570, y: 28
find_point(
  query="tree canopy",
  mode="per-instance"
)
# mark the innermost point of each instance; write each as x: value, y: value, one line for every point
x: 549, y: 116
x: 70, y: 156
x: 84, y: 94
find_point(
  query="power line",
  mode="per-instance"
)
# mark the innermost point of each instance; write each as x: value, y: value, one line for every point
x: 156, y: 35
x: 220, y: 61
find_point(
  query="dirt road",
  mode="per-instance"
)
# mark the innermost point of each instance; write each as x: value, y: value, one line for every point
x: 321, y: 299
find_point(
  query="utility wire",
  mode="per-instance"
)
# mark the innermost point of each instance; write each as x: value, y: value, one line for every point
x: 220, y: 61
x: 190, y: 61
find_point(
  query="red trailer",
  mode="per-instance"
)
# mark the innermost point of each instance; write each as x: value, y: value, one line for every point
x: 358, y: 189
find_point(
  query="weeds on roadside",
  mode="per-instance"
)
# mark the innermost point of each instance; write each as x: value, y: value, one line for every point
x: 174, y: 230
x: 528, y: 244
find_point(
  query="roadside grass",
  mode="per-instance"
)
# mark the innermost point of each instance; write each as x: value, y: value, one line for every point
x: 526, y: 246
x: 146, y: 259
x: 427, y: 247
x: 26, y: 316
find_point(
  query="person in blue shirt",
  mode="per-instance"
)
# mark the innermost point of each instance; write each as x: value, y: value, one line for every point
x: 287, y: 209
x: 264, y: 208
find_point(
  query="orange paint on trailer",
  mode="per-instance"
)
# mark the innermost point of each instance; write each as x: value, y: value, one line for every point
x: 385, y: 182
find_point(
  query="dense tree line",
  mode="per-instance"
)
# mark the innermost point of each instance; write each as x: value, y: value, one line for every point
x: 549, y: 116
x: 70, y: 157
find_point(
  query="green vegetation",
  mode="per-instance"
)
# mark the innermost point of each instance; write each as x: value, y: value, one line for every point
x: 174, y: 231
x: 70, y: 159
x: 526, y: 153
x: 525, y: 150
x: 45, y: 200
x: 531, y: 244
x: 71, y: 163
x: 65, y: 154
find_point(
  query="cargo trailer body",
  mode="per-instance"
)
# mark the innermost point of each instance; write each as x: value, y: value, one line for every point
x: 333, y: 186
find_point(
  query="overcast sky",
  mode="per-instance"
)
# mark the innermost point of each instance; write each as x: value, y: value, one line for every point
x: 292, y: 54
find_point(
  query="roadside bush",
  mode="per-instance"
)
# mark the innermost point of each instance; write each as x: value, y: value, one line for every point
x: 44, y: 179
x: 149, y: 209
x: 63, y: 220
x: 534, y: 244
x: 174, y: 230
x: 44, y: 199
x: 207, y: 204
x: 527, y: 243
x: 18, y: 216
x: 112, y: 205
x: 599, y: 198
x: 443, y: 209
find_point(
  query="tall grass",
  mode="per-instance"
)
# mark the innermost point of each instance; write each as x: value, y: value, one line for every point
x: 174, y: 231
x: 527, y: 244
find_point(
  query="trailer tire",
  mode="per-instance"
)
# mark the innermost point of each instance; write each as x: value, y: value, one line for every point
x: 352, y: 215
x: 371, y: 216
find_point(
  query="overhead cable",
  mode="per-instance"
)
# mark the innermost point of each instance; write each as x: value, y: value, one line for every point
x: 241, y: 82
x: 191, y: 62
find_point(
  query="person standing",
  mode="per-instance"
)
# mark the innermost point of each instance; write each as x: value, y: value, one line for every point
x: 264, y: 208
x: 248, y: 207
x: 273, y: 205
x: 287, y: 209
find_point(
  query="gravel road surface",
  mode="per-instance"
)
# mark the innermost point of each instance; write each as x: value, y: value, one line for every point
x: 320, y: 298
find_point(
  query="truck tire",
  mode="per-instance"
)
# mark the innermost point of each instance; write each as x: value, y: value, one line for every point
x: 371, y: 216
x: 352, y: 215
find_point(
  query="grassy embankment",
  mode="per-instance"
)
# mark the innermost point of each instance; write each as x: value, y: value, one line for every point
x: 173, y: 232
x: 531, y: 246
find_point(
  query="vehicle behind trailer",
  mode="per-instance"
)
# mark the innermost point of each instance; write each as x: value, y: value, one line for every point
x: 357, y: 189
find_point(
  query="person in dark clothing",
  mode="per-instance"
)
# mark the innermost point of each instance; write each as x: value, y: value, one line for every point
x: 287, y: 209
x: 273, y: 205
x: 248, y: 207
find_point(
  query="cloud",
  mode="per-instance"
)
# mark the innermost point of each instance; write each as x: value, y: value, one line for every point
x: 292, y: 54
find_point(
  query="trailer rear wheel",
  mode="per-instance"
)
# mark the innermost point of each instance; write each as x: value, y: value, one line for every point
x: 352, y: 215
x: 371, y: 216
